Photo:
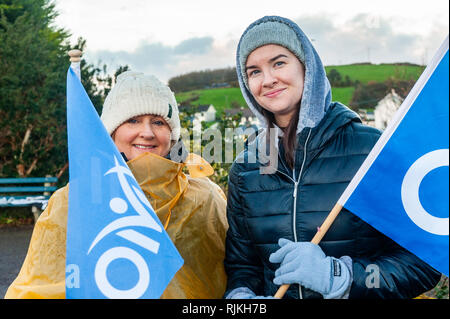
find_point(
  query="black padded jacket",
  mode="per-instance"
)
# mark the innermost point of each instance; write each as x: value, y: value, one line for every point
x: 265, y: 207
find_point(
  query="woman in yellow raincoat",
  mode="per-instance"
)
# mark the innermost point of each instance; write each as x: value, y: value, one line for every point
x: 141, y: 115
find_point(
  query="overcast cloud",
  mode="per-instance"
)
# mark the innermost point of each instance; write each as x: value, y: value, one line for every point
x: 166, y: 61
x: 365, y: 38
x: 362, y: 38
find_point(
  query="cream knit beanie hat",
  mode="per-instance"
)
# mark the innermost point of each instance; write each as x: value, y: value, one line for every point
x: 136, y: 94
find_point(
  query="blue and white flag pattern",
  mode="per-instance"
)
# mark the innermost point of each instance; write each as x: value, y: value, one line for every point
x: 402, y: 189
x: 116, y: 245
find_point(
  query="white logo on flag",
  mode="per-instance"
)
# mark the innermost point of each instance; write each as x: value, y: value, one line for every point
x: 410, y: 192
x: 120, y: 206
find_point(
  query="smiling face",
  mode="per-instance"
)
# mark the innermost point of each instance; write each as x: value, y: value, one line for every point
x: 275, y: 79
x: 145, y: 133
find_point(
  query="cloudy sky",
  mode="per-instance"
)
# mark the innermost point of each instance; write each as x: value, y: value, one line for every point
x: 173, y: 37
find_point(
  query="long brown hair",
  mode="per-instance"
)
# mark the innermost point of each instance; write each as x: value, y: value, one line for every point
x: 289, y: 138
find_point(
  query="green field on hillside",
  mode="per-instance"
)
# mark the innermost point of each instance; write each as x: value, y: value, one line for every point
x: 378, y: 72
x: 225, y: 98
x: 343, y: 95
x: 221, y: 98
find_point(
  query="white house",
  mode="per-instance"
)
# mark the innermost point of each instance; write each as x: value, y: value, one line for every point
x: 247, y: 119
x: 205, y: 113
x: 367, y: 117
x: 386, y: 109
x: 200, y: 113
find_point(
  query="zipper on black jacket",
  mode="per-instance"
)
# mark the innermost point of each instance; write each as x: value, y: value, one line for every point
x: 296, y: 182
x: 294, y: 212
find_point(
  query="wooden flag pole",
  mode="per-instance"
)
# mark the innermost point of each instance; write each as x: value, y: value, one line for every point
x: 75, y: 58
x: 321, y: 231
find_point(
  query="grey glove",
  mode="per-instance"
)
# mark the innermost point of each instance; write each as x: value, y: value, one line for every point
x: 306, y: 264
x: 245, y: 293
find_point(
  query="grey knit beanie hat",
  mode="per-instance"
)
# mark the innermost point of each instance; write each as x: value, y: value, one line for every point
x: 268, y: 32
x: 136, y: 94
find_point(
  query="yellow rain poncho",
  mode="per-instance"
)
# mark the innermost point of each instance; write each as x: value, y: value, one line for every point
x: 193, y: 211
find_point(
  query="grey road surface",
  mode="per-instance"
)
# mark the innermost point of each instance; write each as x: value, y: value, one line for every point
x: 14, y: 243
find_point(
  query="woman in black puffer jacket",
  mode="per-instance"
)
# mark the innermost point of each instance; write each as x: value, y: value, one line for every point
x: 280, y: 201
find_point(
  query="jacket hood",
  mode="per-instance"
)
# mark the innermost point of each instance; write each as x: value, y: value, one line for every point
x: 336, y: 118
x: 316, y: 96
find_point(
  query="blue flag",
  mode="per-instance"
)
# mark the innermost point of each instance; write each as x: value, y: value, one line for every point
x: 402, y: 187
x: 116, y: 245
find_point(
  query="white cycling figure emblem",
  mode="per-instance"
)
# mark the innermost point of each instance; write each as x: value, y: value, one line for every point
x: 118, y: 205
x: 410, y: 192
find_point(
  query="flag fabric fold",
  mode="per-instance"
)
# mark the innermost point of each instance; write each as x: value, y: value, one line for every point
x: 402, y: 187
x: 116, y: 245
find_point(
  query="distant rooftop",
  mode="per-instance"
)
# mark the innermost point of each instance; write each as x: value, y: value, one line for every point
x: 195, y: 108
x: 246, y: 112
